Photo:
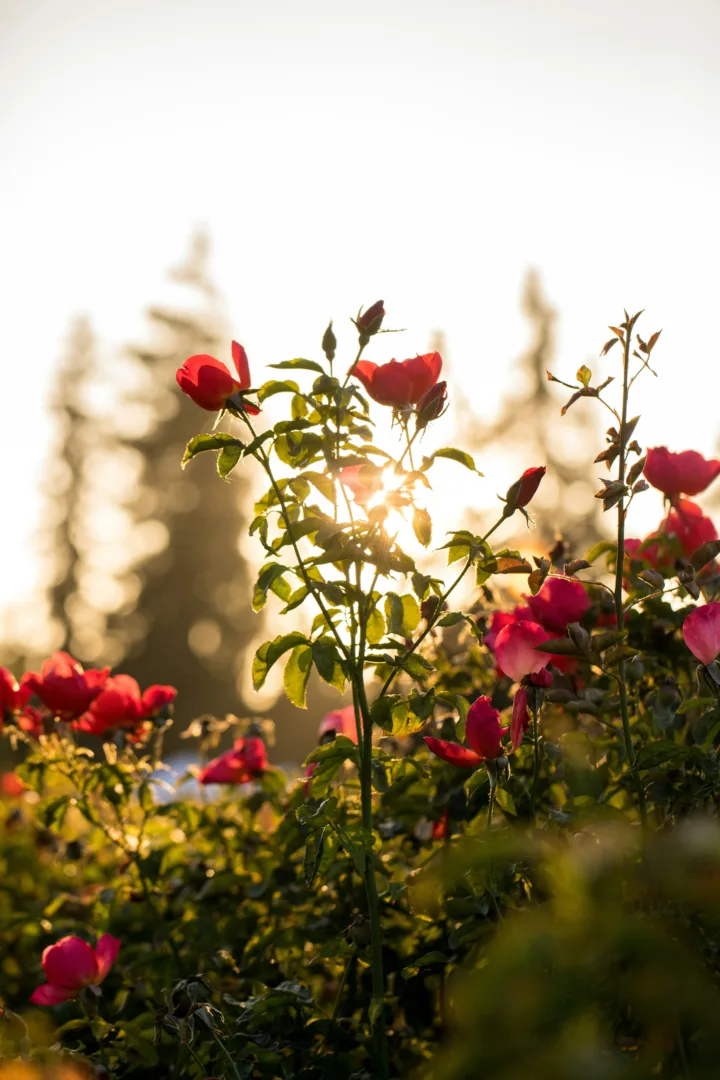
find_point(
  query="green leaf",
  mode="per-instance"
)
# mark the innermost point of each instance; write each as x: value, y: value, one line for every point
x: 299, y: 365
x: 422, y: 526
x: 297, y: 672
x: 270, y: 577
x: 505, y: 801
x: 228, y: 459
x: 375, y: 628
x: 584, y: 375
x: 215, y: 440
x: 275, y: 386
x: 327, y: 662
x: 270, y: 652
x: 452, y: 454
x: 390, y: 713
x: 323, y: 483
x: 603, y: 547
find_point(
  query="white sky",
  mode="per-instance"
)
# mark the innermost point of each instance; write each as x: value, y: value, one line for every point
x: 423, y: 152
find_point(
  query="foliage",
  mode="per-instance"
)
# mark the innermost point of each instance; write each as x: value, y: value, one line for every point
x: 551, y: 910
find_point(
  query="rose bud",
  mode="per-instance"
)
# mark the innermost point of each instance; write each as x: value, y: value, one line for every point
x: 521, y: 492
x: 701, y: 631
x: 483, y: 734
x: 369, y: 322
x: 72, y: 964
x: 329, y: 342
x: 431, y: 405
x: 687, y: 473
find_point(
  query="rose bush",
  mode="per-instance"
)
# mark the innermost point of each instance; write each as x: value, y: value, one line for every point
x: 502, y: 858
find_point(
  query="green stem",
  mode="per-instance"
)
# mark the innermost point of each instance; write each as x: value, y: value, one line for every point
x: 366, y: 792
x: 620, y: 565
x: 491, y: 804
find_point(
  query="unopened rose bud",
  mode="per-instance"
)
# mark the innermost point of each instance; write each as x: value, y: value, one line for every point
x: 431, y: 405
x: 369, y: 322
x: 329, y: 342
x: 521, y: 492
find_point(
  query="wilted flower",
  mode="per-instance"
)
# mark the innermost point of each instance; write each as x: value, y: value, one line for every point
x: 687, y: 473
x: 515, y: 649
x: 209, y: 383
x: 483, y: 734
x: 559, y: 602
x: 701, y: 631
x: 65, y: 687
x: 243, y: 763
x: 71, y: 964
x: 399, y: 384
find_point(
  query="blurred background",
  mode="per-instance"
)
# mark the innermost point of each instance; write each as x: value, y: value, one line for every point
x: 507, y: 176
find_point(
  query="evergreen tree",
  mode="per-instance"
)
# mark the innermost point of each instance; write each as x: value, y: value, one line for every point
x: 188, y: 623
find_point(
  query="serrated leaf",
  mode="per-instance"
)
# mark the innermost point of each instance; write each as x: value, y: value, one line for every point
x: 505, y: 801
x: 271, y: 651
x: 215, y: 440
x: 228, y: 459
x: 327, y: 662
x: 375, y: 628
x: 276, y: 386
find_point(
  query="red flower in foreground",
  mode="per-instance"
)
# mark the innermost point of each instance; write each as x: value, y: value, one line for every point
x: 243, y: 763
x: 521, y: 492
x: 559, y: 602
x: 501, y: 619
x: 687, y: 473
x: 482, y: 732
x: 120, y: 705
x: 515, y: 649
x: 210, y: 384
x: 701, y: 631
x: 399, y: 384
x: 65, y: 687
x: 339, y: 722
x: 692, y: 528
x: 72, y: 964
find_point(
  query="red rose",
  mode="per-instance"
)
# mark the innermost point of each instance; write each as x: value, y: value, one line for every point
x: 65, y: 687
x: 559, y: 602
x: 72, y: 964
x: 482, y: 732
x: 243, y: 763
x: 120, y: 705
x: 701, y: 631
x: 156, y: 699
x: 502, y: 619
x: 210, y: 384
x: 687, y: 473
x: 687, y: 522
x: 13, y: 696
x: 515, y: 650
x: 399, y: 384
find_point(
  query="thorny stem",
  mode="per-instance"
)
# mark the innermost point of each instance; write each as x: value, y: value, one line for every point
x: 620, y: 564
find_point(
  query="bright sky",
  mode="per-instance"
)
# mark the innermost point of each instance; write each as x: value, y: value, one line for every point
x: 339, y: 152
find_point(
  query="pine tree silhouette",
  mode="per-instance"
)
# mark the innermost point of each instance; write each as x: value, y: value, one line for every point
x: 189, y: 624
